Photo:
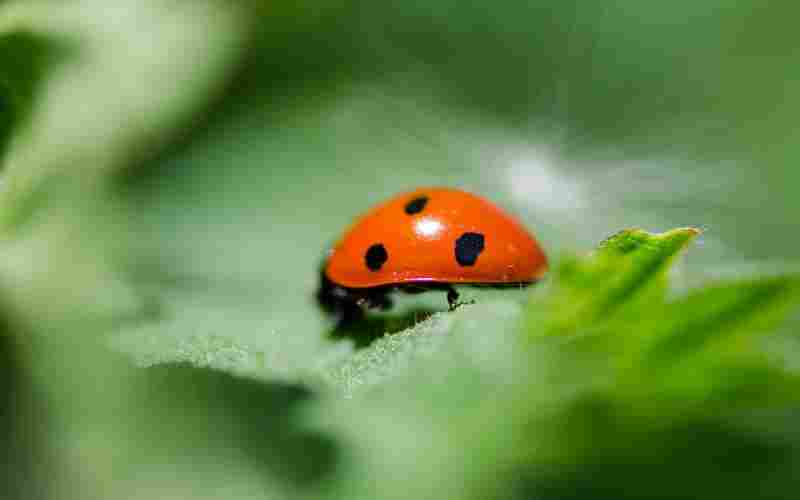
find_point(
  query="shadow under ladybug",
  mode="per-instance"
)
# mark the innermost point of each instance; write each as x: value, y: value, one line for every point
x: 348, y: 305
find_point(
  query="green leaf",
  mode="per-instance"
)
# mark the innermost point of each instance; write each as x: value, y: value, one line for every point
x: 706, y: 349
x: 711, y: 318
x: 655, y: 353
x: 635, y: 375
x: 591, y: 290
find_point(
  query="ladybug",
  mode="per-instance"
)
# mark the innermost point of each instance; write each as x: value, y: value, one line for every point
x: 427, y: 239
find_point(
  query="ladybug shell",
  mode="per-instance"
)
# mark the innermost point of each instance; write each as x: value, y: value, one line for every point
x: 435, y: 235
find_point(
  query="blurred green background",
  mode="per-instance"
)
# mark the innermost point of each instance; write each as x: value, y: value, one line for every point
x: 174, y: 170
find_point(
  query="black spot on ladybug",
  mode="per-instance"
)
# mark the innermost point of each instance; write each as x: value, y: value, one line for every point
x: 376, y: 256
x: 468, y: 247
x: 416, y: 205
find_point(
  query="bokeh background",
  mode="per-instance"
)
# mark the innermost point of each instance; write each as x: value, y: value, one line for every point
x: 174, y: 170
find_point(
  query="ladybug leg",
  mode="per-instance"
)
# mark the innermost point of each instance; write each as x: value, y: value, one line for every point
x: 381, y: 301
x: 348, y: 313
x: 339, y: 302
x: 386, y: 303
x: 377, y: 299
x: 452, y: 298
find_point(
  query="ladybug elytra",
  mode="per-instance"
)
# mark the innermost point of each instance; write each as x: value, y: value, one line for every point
x: 427, y: 239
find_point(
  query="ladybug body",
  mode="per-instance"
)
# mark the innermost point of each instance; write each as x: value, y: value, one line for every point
x: 427, y: 239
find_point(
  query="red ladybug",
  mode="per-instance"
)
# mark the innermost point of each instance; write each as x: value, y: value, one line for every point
x: 427, y: 239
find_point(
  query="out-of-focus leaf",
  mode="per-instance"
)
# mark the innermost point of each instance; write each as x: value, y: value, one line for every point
x: 119, y: 93
x: 219, y: 413
x: 28, y: 57
x: 701, y: 458
x: 132, y: 76
x: 101, y: 86
x: 26, y: 463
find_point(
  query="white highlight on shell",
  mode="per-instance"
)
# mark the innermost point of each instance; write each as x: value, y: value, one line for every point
x: 428, y: 227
